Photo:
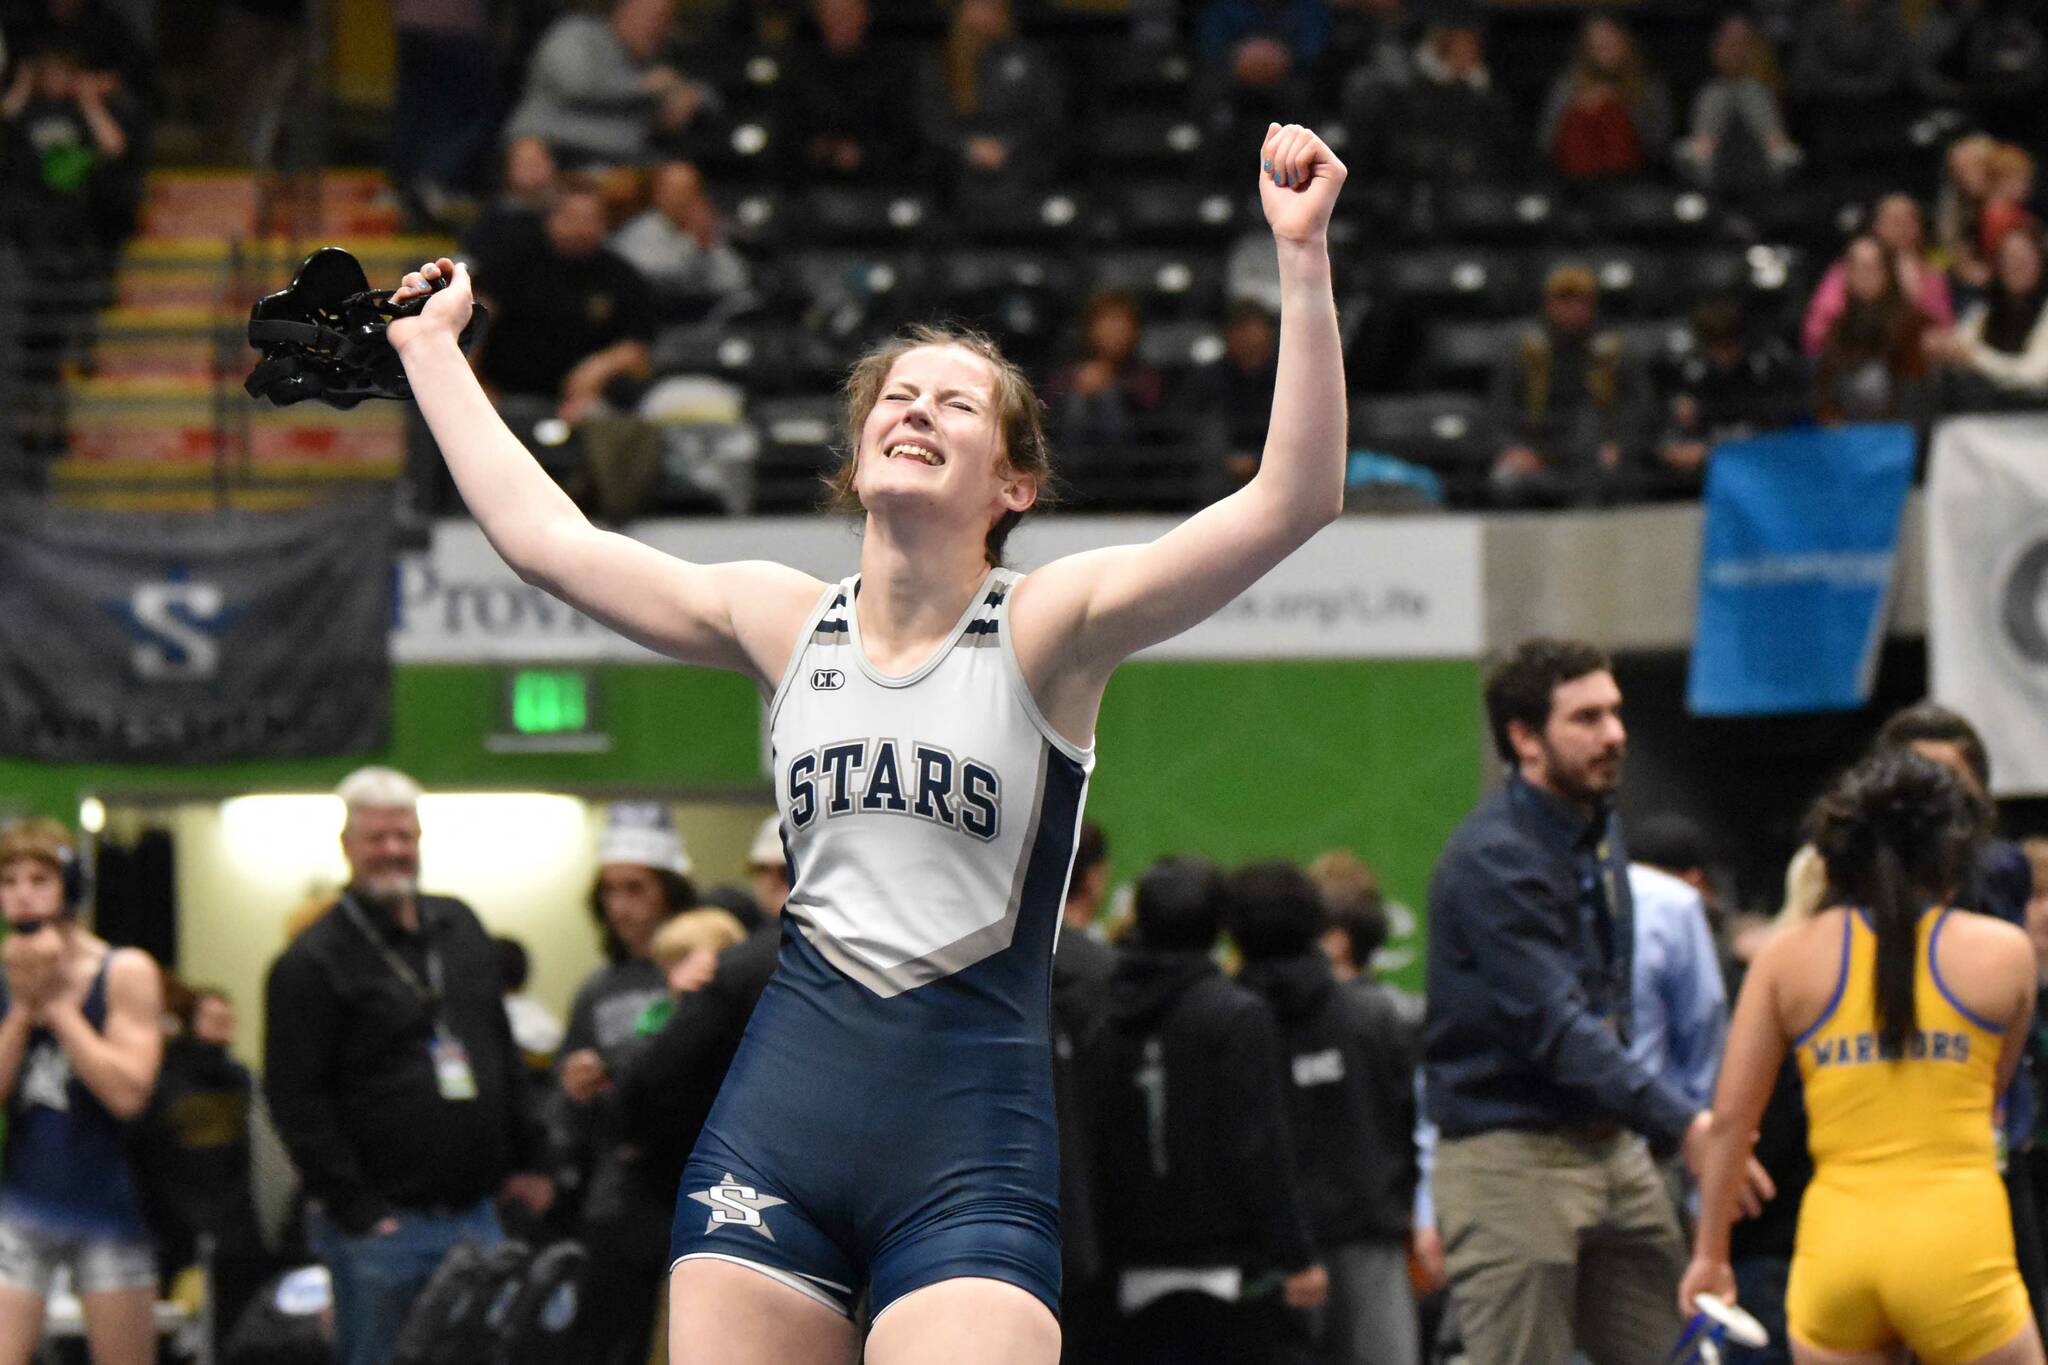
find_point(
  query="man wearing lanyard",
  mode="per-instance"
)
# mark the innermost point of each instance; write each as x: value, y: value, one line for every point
x: 392, y: 1075
x: 1556, y: 1224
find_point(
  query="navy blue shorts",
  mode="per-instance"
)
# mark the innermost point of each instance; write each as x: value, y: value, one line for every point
x: 862, y: 1144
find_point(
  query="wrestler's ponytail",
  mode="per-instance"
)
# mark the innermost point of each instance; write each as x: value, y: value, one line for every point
x: 1897, y: 833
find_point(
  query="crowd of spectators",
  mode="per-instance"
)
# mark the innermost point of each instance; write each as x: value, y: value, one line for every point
x: 1268, y: 1154
x: 778, y: 184
x: 1704, y: 196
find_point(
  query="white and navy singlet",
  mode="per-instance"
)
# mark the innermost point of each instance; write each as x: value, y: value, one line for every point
x: 888, y: 1120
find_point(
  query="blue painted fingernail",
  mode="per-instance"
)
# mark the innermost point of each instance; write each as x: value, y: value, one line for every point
x: 1268, y: 164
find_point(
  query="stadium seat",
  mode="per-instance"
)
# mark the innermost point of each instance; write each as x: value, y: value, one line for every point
x: 1036, y: 217
x: 1494, y: 213
x: 1641, y: 211
x: 1177, y: 347
x: 1469, y: 282
x: 1128, y: 75
x: 1460, y: 354
x: 1165, y: 141
x: 797, y: 438
x: 1167, y: 284
x: 863, y: 215
x: 1173, y: 211
x: 1446, y: 432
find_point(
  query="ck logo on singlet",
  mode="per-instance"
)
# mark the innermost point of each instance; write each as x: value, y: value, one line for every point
x: 894, y: 777
x: 735, y: 1205
x: 827, y: 680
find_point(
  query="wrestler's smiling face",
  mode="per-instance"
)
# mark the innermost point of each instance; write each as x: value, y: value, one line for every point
x: 934, y: 440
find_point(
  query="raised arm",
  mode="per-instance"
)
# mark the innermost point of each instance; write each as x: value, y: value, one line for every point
x: 741, y: 616
x: 1086, y: 613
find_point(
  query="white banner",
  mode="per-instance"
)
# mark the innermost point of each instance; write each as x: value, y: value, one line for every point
x: 1987, y: 589
x: 1366, y: 588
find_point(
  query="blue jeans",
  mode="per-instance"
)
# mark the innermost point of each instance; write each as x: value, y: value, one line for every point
x: 376, y: 1279
x: 1760, y: 1287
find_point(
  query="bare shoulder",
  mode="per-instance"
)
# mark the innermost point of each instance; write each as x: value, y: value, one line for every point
x: 1800, y: 967
x: 768, y: 602
x: 134, y: 978
x: 1975, y: 946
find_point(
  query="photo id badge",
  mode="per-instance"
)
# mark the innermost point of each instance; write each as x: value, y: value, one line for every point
x: 451, y: 1067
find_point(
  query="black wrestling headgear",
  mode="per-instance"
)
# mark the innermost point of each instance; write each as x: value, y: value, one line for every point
x: 323, y: 337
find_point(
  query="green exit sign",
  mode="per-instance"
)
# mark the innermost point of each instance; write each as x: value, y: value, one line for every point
x: 550, y: 701
x: 550, y: 710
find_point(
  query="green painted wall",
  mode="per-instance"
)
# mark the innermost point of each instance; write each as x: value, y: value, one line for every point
x: 1236, y: 760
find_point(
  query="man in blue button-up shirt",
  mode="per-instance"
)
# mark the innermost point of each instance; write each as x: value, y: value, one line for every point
x: 1557, y: 1226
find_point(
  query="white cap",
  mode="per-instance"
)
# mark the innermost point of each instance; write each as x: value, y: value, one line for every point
x: 767, y: 847
x: 641, y: 833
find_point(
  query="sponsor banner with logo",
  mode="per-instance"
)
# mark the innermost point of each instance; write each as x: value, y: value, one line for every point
x: 194, y: 638
x: 1987, y: 589
x: 1797, y: 554
x: 1364, y: 588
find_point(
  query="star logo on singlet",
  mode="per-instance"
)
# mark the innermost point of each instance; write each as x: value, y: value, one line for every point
x: 735, y: 1205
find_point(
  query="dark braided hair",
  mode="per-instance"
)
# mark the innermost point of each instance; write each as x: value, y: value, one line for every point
x: 1897, y: 832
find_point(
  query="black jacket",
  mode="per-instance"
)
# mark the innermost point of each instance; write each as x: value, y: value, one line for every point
x: 1349, y: 1068
x: 349, y: 1071
x: 1081, y: 970
x: 668, y: 1085
x: 1193, y: 1161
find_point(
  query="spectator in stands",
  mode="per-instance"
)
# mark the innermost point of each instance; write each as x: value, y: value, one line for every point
x: 989, y: 102
x: 600, y: 92
x: 1568, y: 404
x: 1970, y: 50
x: 1101, y: 402
x: 1348, y: 1065
x: 1261, y: 54
x: 1557, y: 1223
x: 1197, y: 1192
x: 253, y: 67
x: 1998, y: 356
x: 81, y: 1039
x: 100, y: 37
x: 392, y: 1075
x: 849, y: 109
x: 193, y: 1150
x: 1736, y: 143
x: 1849, y: 51
x: 1082, y: 959
x: 1897, y: 227
x: 678, y: 245
x: 2009, y: 192
x: 512, y: 221
x: 70, y: 192
x: 1233, y: 393
x: 1965, y: 187
x: 642, y: 884
x: 1450, y: 125
x: 1731, y: 384
x: 441, y: 101
x: 1607, y: 117
x: 570, y: 320
x: 1871, y: 364
x: 1372, y: 53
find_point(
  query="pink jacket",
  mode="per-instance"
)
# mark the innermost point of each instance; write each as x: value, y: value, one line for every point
x: 1833, y: 296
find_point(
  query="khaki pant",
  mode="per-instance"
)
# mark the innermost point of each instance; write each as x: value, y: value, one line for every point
x: 1553, y: 1240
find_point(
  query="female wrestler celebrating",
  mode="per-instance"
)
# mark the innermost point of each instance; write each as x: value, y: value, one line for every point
x: 1908, y: 1019
x: 887, y: 1125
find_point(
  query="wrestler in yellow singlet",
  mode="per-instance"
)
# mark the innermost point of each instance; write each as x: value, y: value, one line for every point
x: 1905, y: 1236
x: 1905, y: 1230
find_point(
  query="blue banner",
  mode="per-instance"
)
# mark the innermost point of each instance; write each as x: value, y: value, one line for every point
x: 1796, y: 559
